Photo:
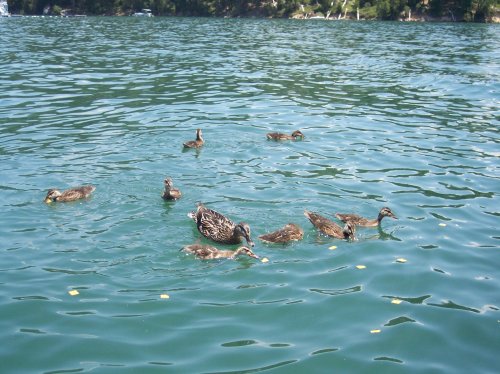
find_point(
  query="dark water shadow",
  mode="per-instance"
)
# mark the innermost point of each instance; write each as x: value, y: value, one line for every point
x: 255, y: 370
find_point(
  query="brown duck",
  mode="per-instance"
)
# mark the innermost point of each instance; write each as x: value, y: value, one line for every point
x: 362, y: 221
x: 330, y: 228
x: 170, y: 193
x: 207, y: 252
x: 280, y: 136
x: 72, y: 194
x: 219, y: 228
x: 289, y: 232
x: 195, y: 143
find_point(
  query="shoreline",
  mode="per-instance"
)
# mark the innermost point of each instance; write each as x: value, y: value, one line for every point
x: 305, y: 17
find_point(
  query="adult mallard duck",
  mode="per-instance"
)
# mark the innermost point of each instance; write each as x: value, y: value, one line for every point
x: 54, y: 195
x: 289, y: 232
x: 280, y: 136
x: 361, y: 221
x: 195, y: 143
x: 330, y: 228
x: 207, y: 252
x: 170, y: 193
x: 219, y: 228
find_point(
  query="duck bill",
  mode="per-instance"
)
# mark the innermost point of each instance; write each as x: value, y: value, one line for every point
x: 246, y: 235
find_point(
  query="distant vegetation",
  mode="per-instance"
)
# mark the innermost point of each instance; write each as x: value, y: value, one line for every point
x: 452, y: 10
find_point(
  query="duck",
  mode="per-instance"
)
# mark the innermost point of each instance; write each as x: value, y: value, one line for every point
x: 170, y: 193
x: 330, y: 228
x: 365, y: 222
x: 72, y: 194
x: 198, y: 143
x: 208, y: 252
x: 289, y: 232
x: 280, y: 136
x: 219, y: 228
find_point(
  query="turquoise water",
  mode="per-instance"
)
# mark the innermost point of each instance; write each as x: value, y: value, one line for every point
x: 394, y: 114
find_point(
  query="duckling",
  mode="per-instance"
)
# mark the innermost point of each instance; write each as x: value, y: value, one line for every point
x: 330, y: 228
x: 198, y: 143
x: 170, y: 193
x: 280, y: 136
x: 219, y: 228
x: 207, y: 252
x: 361, y: 221
x: 72, y: 194
x: 289, y: 232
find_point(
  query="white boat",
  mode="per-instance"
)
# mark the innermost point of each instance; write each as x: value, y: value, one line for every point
x: 4, y: 9
x: 144, y: 13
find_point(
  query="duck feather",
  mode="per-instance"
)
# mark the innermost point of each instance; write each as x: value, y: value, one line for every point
x: 330, y: 228
x: 289, y: 232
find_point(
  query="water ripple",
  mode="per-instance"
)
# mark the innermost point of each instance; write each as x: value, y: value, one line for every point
x: 256, y: 370
x: 338, y: 292
x: 403, y: 115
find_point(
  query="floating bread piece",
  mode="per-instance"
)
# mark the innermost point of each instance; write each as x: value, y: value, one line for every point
x: 265, y: 259
x: 401, y: 260
x: 332, y: 247
x: 376, y: 331
x: 442, y: 224
x: 360, y: 267
x: 396, y: 301
x: 164, y: 296
x: 73, y: 292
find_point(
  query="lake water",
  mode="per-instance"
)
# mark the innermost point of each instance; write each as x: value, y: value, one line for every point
x: 404, y: 115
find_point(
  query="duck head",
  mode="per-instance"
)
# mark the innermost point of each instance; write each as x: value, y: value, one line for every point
x: 386, y: 212
x: 168, y: 183
x: 52, y: 195
x: 244, y: 251
x: 199, y: 134
x: 349, y: 230
x: 297, y: 134
x: 243, y: 230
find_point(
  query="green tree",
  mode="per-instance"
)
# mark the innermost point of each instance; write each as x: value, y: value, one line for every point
x: 391, y: 9
x: 326, y: 6
x: 483, y: 10
x: 383, y: 9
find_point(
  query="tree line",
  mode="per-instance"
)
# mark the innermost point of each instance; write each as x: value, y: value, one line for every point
x: 455, y: 10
